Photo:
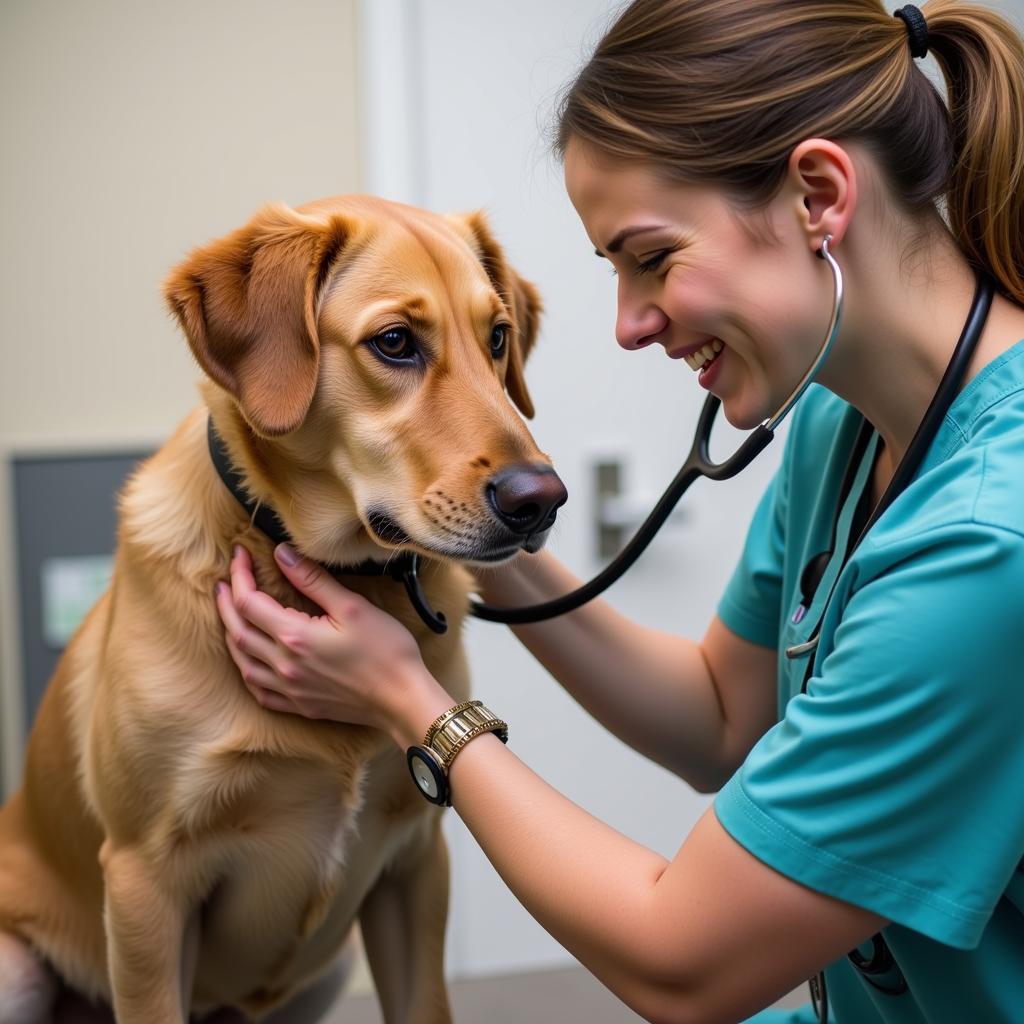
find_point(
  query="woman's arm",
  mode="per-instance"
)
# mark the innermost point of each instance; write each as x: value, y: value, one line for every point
x: 694, y: 708
x: 712, y: 935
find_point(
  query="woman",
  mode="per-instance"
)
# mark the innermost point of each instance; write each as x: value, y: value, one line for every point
x: 869, y: 798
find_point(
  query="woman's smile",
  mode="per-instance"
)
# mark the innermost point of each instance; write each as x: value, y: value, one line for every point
x: 698, y: 356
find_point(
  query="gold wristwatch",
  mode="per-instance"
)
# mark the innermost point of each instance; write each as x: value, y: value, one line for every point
x: 446, y: 736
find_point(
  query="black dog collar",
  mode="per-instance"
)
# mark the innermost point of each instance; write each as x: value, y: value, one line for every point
x: 402, y: 568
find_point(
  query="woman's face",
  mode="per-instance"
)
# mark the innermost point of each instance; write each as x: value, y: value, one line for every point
x: 690, y: 277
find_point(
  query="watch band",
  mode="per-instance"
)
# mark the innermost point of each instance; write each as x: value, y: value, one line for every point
x: 446, y: 736
x: 448, y: 742
x: 450, y: 713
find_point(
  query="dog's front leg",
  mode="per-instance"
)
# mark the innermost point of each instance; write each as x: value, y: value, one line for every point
x: 146, y: 924
x: 403, y: 922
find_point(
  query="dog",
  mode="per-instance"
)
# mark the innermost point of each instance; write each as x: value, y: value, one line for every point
x: 175, y: 848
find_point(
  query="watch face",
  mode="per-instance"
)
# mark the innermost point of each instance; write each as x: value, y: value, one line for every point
x: 426, y: 781
x: 428, y: 775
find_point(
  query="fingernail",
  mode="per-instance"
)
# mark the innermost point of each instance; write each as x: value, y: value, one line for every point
x: 220, y: 588
x: 287, y: 554
x: 237, y: 551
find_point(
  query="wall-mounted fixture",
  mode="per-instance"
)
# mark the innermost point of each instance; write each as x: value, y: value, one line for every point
x: 618, y: 511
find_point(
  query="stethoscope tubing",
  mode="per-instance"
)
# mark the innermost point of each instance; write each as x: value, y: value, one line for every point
x: 698, y: 463
x: 921, y: 442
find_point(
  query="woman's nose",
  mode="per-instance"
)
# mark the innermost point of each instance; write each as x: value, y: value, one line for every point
x: 638, y: 324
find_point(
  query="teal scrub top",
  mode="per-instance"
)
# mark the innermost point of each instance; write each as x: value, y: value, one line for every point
x: 896, y: 782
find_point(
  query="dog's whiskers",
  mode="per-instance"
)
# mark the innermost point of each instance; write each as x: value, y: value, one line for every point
x: 461, y: 534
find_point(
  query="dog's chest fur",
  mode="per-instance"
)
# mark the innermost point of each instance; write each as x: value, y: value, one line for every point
x: 298, y: 858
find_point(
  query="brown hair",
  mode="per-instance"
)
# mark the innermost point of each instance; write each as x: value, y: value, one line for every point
x: 720, y: 91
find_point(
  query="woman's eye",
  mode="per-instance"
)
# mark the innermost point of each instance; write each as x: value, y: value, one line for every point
x: 395, y: 345
x: 499, y: 340
x: 653, y: 263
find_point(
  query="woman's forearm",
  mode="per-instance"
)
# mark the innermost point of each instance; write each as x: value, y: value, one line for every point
x: 652, y: 690
x: 555, y: 857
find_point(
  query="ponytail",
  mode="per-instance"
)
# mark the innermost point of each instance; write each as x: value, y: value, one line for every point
x: 982, y: 60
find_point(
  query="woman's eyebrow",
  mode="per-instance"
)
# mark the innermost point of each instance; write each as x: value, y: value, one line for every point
x: 616, y: 243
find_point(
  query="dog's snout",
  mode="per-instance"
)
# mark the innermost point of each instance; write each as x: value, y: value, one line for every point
x: 526, y: 498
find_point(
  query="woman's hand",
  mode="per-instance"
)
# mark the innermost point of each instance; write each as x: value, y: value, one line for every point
x: 355, y: 663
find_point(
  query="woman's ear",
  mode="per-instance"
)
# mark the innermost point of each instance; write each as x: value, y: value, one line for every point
x: 823, y: 180
x: 247, y: 305
x: 521, y: 299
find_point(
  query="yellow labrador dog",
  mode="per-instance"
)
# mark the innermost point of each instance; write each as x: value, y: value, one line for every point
x: 176, y: 849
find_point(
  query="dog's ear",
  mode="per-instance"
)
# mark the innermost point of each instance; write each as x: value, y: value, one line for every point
x: 520, y: 297
x: 247, y: 304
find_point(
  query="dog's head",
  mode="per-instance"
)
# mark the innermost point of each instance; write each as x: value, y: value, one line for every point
x: 372, y: 351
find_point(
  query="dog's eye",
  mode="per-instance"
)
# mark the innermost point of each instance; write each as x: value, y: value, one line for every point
x: 395, y: 345
x: 499, y: 340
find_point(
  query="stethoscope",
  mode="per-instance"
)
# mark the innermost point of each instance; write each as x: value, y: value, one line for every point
x: 879, y: 969
x: 404, y: 568
x: 698, y: 463
x: 949, y: 386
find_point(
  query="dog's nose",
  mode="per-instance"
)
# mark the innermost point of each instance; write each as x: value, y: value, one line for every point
x: 526, y: 498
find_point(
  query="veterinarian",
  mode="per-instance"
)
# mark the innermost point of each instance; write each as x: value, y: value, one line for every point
x: 869, y: 822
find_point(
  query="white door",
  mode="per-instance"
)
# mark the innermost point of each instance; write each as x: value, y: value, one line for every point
x: 458, y: 96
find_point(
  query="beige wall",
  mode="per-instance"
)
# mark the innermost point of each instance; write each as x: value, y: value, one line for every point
x: 132, y: 132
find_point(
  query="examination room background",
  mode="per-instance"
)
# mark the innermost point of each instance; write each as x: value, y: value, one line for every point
x: 134, y: 131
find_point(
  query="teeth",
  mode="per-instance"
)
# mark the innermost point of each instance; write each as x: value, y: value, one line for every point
x: 704, y: 355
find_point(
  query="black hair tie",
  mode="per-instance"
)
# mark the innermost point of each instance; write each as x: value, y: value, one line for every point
x: 917, y: 30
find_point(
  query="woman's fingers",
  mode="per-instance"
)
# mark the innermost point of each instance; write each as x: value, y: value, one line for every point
x: 274, y: 701
x: 260, y: 680
x: 320, y: 666
x: 317, y: 584
x: 254, y: 653
x: 257, y: 607
x: 246, y: 637
x: 255, y: 674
